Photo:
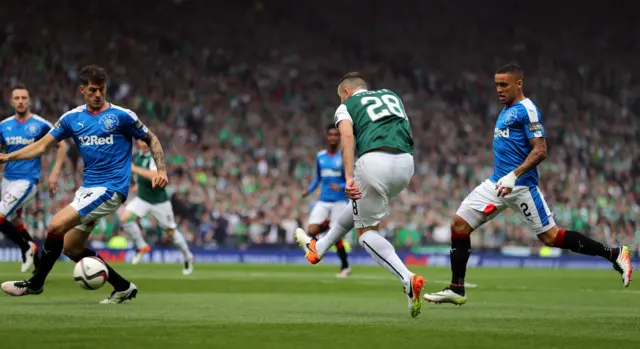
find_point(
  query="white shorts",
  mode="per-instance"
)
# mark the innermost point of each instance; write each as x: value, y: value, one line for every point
x: 483, y: 204
x: 380, y: 177
x: 15, y: 195
x: 93, y: 204
x: 162, y: 212
x: 326, y: 210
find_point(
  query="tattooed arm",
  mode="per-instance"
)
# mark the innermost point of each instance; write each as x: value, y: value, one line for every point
x: 156, y: 150
x: 160, y: 180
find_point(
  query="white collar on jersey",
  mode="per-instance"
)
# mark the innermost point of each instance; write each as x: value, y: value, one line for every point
x: 359, y: 91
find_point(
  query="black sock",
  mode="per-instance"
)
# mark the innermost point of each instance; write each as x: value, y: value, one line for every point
x: 51, y: 251
x: 459, y: 255
x: 342, y: 253
x: 579, y: 243
x: 10, y: 231
x: 118, y: 282
x: 25, y: 234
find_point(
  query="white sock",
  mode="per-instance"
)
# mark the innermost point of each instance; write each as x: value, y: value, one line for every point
x: 135, y: 233
x: 383, y: 252
x: 181, y: 243
x: 343, y: 225
x: 335, y: 234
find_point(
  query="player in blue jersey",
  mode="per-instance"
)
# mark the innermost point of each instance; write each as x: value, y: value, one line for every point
x: 21, y: 178
x: 330, y: 177
x: 103, y: 133
x: 519, y: 146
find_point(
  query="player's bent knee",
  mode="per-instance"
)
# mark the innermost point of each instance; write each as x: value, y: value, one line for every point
x: 57, y: 227
x: 64, y: 221
x: 549, y: 237
x: 360, y: 231
x: 170, y: 232
x: 460, y: 226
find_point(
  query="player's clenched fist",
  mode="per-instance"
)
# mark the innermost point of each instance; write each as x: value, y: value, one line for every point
x: 352, y: 190
x: 160, y: 180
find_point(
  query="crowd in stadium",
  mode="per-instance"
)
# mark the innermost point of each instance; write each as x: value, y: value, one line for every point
x: 241, y: 110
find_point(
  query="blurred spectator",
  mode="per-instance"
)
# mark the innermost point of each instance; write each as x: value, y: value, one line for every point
x: 240, y: 104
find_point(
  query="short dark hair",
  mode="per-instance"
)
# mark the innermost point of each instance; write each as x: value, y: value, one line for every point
x: 510, y: 68
x: 19, y: 87
x: 353, y: 77
x: 331, y: 127
x: 92, y: 74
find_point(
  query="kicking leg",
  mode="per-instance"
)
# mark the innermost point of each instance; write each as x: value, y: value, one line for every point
x: 316, y: 249
x: 336, y: 210
x: 75, y: 248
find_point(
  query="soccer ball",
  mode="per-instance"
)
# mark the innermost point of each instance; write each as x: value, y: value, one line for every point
x: 90, y: 273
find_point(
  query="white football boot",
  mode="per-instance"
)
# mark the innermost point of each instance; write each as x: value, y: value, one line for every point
x: 118, y: 297
x: 446, y: 296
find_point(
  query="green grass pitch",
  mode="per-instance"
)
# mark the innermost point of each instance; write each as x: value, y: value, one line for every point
x: 301, y: 306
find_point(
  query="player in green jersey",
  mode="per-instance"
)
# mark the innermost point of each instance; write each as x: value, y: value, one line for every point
x: 373, y: 123
x: 155, y: 202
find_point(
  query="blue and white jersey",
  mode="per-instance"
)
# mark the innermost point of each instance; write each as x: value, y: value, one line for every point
x: 105, y: 142
x: 16, y: 135
x: 515, y: 126
x: 329, y: 170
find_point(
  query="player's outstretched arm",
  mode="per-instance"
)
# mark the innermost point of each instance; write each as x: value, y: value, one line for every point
x: 316, y: 180
x: 31, y: 151
x: 61, y: 156
x: 160, y: 180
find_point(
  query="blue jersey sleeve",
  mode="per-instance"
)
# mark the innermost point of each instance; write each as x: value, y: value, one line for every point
x: 531, y: 121
x: 132, y: 126
x: 316, y: 178
x: 61, y: 130
x: 46, y: 128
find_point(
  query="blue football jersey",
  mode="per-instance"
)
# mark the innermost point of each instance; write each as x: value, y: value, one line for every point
x: 15, y: 135
x: 105, y: 142
x: 329, y: 170
x: 515, y: 126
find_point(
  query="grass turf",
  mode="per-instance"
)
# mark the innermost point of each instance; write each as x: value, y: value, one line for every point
x: 291, y: 306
